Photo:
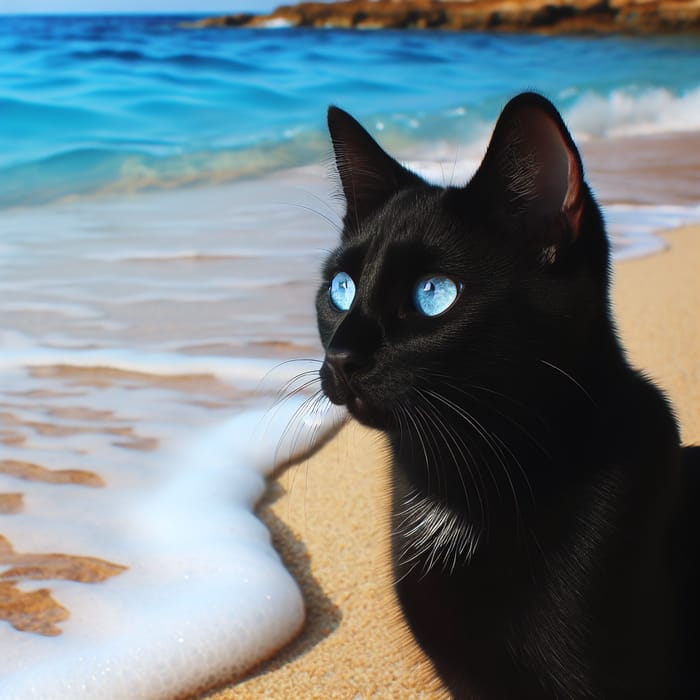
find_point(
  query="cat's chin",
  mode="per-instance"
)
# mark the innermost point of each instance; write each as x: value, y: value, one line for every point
x: 366, y: 414
x: 362, y: 411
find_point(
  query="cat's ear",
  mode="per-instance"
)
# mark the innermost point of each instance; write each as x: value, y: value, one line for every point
x: 535, y: 168
x: 368, y: 175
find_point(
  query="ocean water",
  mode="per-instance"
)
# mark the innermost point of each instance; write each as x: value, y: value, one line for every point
x: 123, y: 104
x: 164, y: 209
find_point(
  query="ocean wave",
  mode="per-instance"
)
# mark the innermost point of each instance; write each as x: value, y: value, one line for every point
x: 87, y: 171
x: 130, y: 162
x: 24, y: 114
x: 80, y: 171
x: 177, y: 60
x: 128, y: 56
x: 634, y: 112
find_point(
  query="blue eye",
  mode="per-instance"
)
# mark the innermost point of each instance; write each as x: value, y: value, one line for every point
x: 342, y: 291
x: 434, y: 294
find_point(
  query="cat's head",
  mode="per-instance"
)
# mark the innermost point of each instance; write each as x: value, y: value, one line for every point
x: 459, y: 286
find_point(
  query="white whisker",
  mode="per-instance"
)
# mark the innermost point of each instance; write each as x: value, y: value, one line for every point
x: 570, y: 378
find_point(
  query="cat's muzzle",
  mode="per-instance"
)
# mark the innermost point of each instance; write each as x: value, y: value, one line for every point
x: 341, y: 381
x: 337, y: 372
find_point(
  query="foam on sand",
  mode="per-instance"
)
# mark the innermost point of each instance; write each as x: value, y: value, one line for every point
x: 203, y: 597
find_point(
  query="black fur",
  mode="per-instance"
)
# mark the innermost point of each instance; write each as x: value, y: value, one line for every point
x: 543, y: 541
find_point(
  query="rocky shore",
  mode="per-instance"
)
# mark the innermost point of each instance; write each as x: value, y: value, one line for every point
x: 544, y: 16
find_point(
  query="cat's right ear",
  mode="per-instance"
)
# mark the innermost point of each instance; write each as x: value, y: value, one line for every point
x: 532, y: 170
x: 368, y: 175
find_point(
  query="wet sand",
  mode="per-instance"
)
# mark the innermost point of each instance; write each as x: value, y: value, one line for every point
x: 328, y: 515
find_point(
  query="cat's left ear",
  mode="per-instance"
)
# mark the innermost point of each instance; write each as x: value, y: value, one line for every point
x: 369, y: 176
x: 535, y: 168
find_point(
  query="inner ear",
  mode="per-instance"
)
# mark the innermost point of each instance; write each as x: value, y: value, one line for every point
x: 534, y: 164
x: 368, y: 175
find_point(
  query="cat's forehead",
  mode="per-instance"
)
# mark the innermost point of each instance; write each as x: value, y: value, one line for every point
x: 410, y: 236
x: 411, y: 215
x: 412, y: 223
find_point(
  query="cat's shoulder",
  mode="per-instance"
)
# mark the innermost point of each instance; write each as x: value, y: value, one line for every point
x: 644, y: 420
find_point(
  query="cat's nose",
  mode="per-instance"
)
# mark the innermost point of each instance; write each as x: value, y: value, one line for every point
x: 345, y: 364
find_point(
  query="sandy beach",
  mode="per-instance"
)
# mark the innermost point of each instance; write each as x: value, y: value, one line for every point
x: 328, y: 515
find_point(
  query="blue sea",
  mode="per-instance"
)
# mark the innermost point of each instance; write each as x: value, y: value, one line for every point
x: 120, y: 104
x: 166, y: 199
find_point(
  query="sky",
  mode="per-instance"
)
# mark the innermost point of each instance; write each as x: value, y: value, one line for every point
x: 129, y: 6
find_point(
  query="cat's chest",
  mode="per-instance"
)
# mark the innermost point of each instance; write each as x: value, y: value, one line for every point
x: 429, y: 534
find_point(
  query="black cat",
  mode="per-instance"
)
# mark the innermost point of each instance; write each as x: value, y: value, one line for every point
x: 542, y: 546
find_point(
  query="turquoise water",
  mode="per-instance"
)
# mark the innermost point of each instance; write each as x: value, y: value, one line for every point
x: 95, y: 104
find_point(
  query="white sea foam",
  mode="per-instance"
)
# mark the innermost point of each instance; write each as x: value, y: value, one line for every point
x: 627, y: 112
x: 277, y: 23
x: 634, y: 228
x: 205, y: 595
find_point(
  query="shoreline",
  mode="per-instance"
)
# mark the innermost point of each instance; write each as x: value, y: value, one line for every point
x: 645, y: 183
x: 328, y: 515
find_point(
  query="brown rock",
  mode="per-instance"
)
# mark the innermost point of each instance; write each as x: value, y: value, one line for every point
x: 551, y: 16
x: 237, y: 20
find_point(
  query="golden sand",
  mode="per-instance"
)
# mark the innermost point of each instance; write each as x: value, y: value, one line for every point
x: 11, y: 503
x: 328, y: 516
x: 35, y: 472
x: 107, y: 376
x: 11, y: 437
x: 44, y: 567
x: 37, y: 611
x: 657, y: 305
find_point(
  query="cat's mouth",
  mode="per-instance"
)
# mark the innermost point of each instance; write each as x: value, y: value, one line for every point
x: 357, y: 405
x: 346, y: 393
x: 365, y: 412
